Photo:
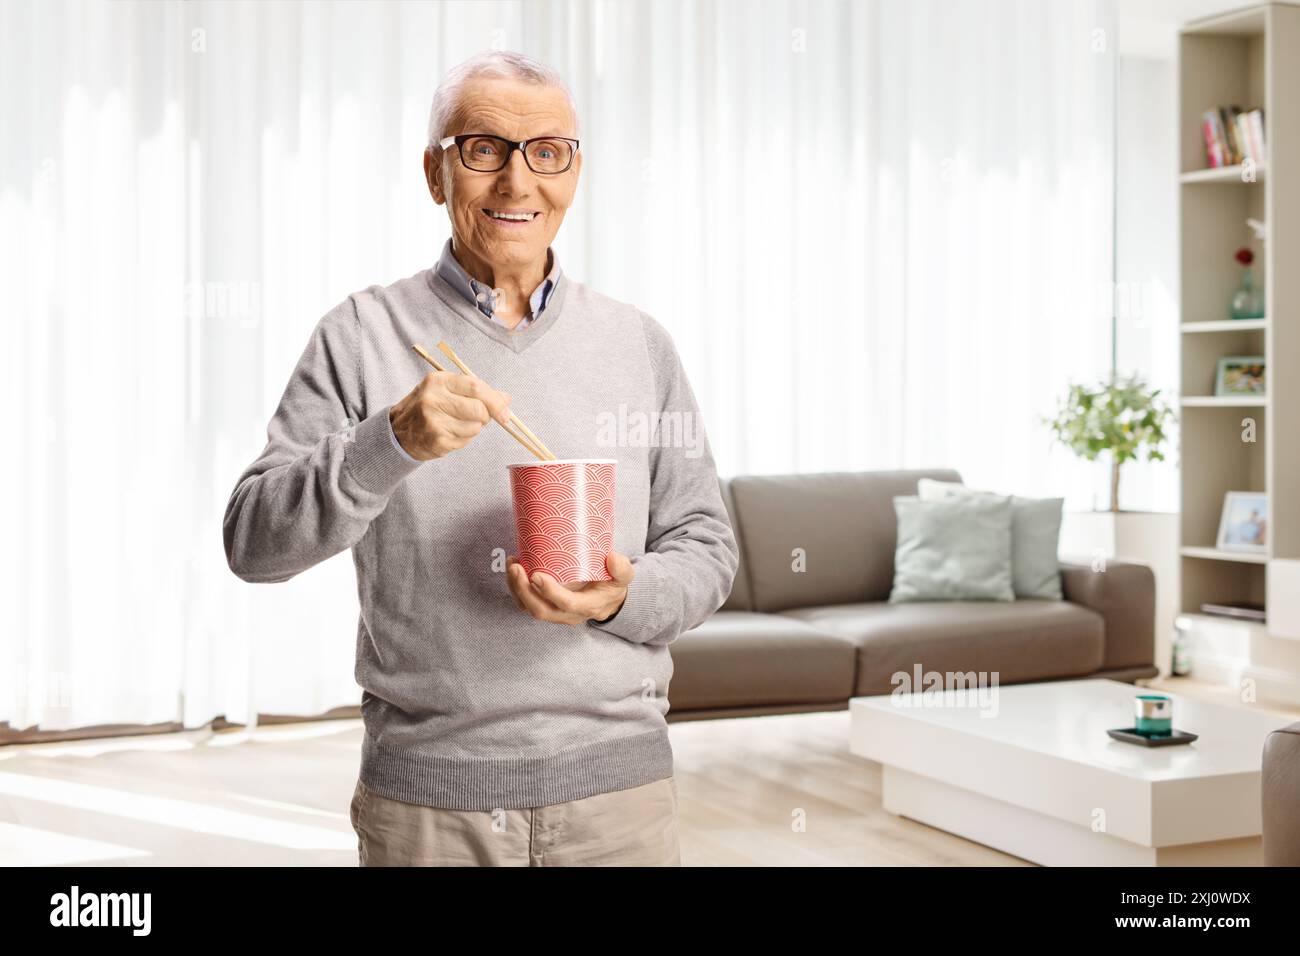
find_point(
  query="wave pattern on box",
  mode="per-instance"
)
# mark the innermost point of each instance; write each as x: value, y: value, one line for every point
x: 564, y: 517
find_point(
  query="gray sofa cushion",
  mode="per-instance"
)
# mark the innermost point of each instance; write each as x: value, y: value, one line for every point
x: 1021, y: 640
x: 737, y: 658
x: 843, y: 521
x: 952, y: 549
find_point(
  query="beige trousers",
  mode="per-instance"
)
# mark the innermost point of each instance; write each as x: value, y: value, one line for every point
x: 633, y: 827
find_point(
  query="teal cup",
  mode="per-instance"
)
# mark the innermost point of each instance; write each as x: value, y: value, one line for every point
x: 1155, y: 714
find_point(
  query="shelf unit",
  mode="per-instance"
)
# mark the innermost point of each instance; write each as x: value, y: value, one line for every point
x: 1248, y: 58
x: 1223, y: 174
x: 1227, y: 325
x: 1224, y: 401
x: 1215, y: 554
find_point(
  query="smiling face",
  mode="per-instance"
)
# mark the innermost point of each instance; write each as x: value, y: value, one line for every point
x: 515, y: 110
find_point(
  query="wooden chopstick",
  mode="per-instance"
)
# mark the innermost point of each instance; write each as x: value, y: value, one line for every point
x: 509, y: 430
x: 448, y: 351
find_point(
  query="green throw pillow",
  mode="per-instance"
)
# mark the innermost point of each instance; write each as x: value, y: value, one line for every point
x: 954, y: 549
x: 1035, y: 537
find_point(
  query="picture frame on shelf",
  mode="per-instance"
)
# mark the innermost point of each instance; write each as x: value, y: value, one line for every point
x: 1243, y: 524
x: 1239, y: 375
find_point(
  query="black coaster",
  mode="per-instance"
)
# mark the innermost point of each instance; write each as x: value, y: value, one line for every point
x: 1130, y: 736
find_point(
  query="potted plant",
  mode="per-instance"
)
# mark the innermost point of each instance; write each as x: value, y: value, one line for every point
x: 1123, y: 418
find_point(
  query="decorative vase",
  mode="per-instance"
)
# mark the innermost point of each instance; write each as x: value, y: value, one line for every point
x: 1248, y: 301
x: 1181, y: 664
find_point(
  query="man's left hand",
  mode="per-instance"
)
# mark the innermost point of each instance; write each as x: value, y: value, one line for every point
x: 548, y: 600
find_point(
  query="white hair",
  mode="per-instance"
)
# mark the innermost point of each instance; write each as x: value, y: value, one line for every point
x: 490, y: 63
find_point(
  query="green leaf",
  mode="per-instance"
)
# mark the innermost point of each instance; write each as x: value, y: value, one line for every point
x: 1123, y: 417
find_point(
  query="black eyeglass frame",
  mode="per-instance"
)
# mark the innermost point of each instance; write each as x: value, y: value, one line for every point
x: 512, y: 145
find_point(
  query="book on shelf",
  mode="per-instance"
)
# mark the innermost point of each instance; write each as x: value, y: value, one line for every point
x: 1233, y: 136
x: 1245, y: 611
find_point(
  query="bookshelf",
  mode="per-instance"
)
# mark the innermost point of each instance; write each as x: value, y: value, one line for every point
x: 1249, y: 58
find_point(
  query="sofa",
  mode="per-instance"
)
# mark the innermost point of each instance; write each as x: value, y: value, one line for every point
x: 1280, y: 795
x: 791, y: 640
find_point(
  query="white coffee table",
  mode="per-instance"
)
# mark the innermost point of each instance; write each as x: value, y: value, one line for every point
x: 1028, y: 769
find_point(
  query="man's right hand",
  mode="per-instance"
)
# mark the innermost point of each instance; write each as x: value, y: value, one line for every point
x: 444, y: 413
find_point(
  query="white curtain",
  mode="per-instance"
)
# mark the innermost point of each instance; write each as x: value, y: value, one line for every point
x: 879, y: 233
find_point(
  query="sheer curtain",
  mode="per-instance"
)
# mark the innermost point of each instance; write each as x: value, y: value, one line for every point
x: 879, y: 233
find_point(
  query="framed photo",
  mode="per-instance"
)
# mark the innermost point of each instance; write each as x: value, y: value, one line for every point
x: 1243, y: 526
x: 1240, y: 375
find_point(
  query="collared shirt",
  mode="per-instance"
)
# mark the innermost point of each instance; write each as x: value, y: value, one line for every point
x: 481, y: 295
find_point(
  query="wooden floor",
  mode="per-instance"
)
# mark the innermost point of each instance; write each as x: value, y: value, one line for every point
x: 763, y: 791
x: 1216, y: 693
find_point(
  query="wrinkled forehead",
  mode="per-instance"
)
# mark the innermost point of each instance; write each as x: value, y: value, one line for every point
x: 513, y: 109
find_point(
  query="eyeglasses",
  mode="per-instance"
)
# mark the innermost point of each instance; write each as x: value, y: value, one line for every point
x: 484, y: 153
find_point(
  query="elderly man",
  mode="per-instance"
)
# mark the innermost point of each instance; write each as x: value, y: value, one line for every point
x: 508, y: 720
